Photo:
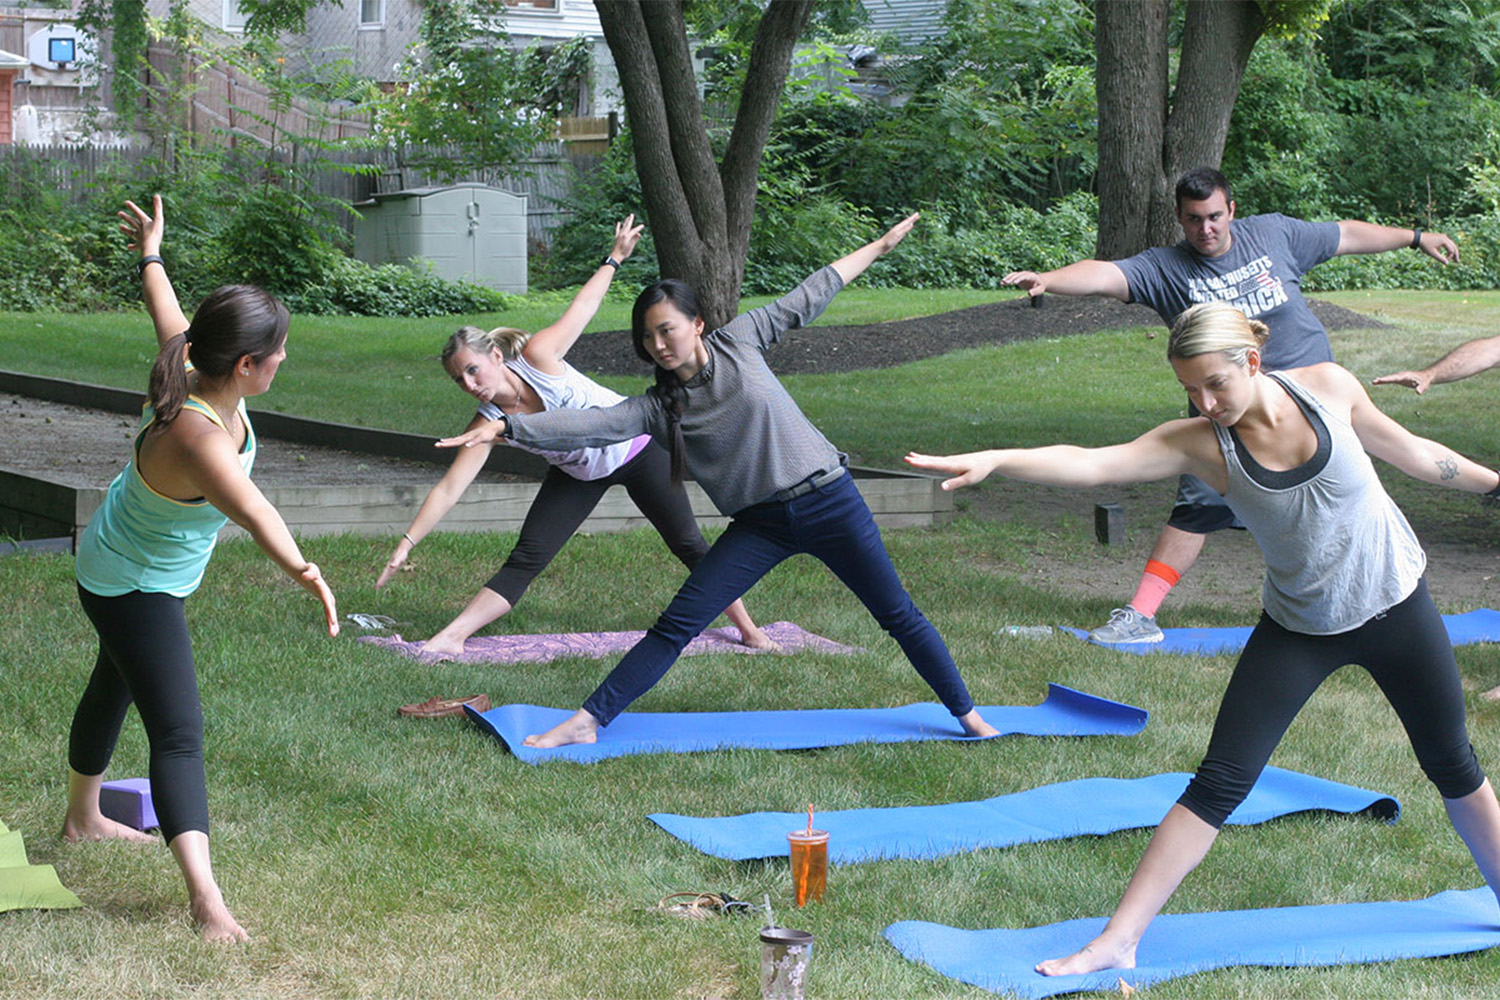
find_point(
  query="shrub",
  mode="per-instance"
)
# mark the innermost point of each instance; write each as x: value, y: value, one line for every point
x: 348, y: 287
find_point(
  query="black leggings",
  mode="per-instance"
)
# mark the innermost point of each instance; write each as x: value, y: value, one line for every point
x: 1406, y: 650
x: 145, y: 656
x: 563, y: 503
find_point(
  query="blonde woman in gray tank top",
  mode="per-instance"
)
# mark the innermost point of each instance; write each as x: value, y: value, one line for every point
x: 1290, y: 454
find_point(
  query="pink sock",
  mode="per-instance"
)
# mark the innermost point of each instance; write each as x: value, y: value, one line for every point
x: 1156, y: 583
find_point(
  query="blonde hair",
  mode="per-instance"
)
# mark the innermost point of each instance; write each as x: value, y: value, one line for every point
x: 506, y: 339
x: 1216, y: 328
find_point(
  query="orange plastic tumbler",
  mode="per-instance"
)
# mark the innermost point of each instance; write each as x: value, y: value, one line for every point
x: 809, y: 855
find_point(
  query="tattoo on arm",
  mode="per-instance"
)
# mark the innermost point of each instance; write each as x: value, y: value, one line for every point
x: 1447, y: 468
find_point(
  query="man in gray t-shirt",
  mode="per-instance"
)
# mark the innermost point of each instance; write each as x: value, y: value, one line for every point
x: 1256, y: 264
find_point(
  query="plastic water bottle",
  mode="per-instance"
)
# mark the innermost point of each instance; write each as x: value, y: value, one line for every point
x: 1026, y: 631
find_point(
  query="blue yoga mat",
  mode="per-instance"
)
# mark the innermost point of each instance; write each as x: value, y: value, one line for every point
x: 1449, y: 923
x: 1465, y: 629
x: 1069, y: 809
x: 1065, y: 713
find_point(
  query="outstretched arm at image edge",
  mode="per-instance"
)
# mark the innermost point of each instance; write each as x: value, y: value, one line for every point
x: 1463, y: 361
x: 1171, y: 449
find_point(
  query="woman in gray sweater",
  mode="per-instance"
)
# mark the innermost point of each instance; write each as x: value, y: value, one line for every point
x: 730, y: 424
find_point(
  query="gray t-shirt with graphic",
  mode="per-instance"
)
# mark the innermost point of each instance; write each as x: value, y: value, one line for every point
x: 1261, y: 275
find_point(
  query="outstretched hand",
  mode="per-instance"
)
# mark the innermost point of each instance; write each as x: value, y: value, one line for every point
x: 312, y: 580
x: 485, y: 433
x: 966, y: 469
x: 1420, y: 381
x: 1029, y: 281
x: 897, y: 233
x: 391, y: 568
x: 627, y: 235
x: 145, y: 231
x: 1439, y: 247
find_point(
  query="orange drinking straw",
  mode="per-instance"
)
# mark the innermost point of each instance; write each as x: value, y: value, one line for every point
x: 809, y: 819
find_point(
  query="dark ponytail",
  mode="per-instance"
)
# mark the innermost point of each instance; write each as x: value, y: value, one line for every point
x: 233, y: 321
x: 668, y: 387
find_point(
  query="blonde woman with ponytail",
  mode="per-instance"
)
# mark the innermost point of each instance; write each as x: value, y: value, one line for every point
x: 509, y: 372
x: 146, y: 549
x: 1345, y: 583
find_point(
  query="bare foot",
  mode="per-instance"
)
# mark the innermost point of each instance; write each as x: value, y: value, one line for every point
x: 974, y: 724
x: 580, y: 727
x: 1096, y: 955
x: 100, y: 827
x: 755, y: 637
x: 215, y: 923
x: 439, y: 646
x: 1493, y: 694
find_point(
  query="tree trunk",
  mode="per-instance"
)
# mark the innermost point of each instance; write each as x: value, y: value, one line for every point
x: 1145, y: 143
x: 699, y: 214
x: 1217, y: 40
x: 1130, y: 46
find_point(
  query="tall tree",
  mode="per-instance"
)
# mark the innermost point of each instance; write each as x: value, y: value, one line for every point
x: 700, y: 210
x: 1150, y: 130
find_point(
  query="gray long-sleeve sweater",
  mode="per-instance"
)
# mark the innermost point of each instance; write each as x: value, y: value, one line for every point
x: 746, y: 438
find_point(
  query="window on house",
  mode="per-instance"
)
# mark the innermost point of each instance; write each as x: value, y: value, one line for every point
x: 234, y: 18
x: 542, y: 5
x: 372, y: 13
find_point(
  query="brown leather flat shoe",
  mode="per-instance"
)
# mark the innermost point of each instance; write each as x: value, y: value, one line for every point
x: 436, y: 708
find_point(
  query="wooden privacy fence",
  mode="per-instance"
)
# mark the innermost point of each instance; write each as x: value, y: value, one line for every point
x: 546, y: 180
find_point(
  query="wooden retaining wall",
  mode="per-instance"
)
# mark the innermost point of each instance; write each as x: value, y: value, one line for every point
x: 32, y: 506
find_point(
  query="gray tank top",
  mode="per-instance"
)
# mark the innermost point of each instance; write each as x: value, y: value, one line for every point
x: 1338, y: 550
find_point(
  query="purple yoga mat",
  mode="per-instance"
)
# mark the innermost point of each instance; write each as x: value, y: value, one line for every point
x: 790, y: 637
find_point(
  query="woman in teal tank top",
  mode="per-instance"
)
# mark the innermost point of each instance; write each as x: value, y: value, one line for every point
x: 146, y: 548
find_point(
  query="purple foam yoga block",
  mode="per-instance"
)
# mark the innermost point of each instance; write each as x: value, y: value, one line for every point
x: 128, y: 801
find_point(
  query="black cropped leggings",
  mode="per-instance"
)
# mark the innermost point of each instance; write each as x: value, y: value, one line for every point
x: 1408, y: 653
x: 145, y: 656
x: 563, y: 503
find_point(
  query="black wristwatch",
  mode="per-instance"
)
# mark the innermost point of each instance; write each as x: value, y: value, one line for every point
x: 1416, y: 239
x: 610, y: 261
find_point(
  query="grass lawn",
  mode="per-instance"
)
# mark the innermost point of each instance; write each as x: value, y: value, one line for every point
x: 372, y: 856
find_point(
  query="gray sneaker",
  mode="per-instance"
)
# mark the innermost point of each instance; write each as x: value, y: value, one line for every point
x: 1127, y: 625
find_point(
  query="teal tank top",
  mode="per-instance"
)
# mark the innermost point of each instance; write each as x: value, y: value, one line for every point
x: 142, y: 540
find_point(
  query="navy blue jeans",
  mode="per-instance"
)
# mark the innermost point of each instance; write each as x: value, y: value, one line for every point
x: 831, y: 523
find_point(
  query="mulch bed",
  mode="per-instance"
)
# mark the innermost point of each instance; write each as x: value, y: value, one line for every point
x: 884, y: 345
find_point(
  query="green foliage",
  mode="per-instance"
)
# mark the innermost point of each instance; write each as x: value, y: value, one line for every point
x: 350, y: 287
x: 467, y: 102
x: 597, y: 199
x: 968, y: 248
x: 1280, y: 133
x: 1001, y: 107
x: 273, y: 240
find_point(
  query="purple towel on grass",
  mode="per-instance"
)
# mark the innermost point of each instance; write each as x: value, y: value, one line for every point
x: 792, y: 638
